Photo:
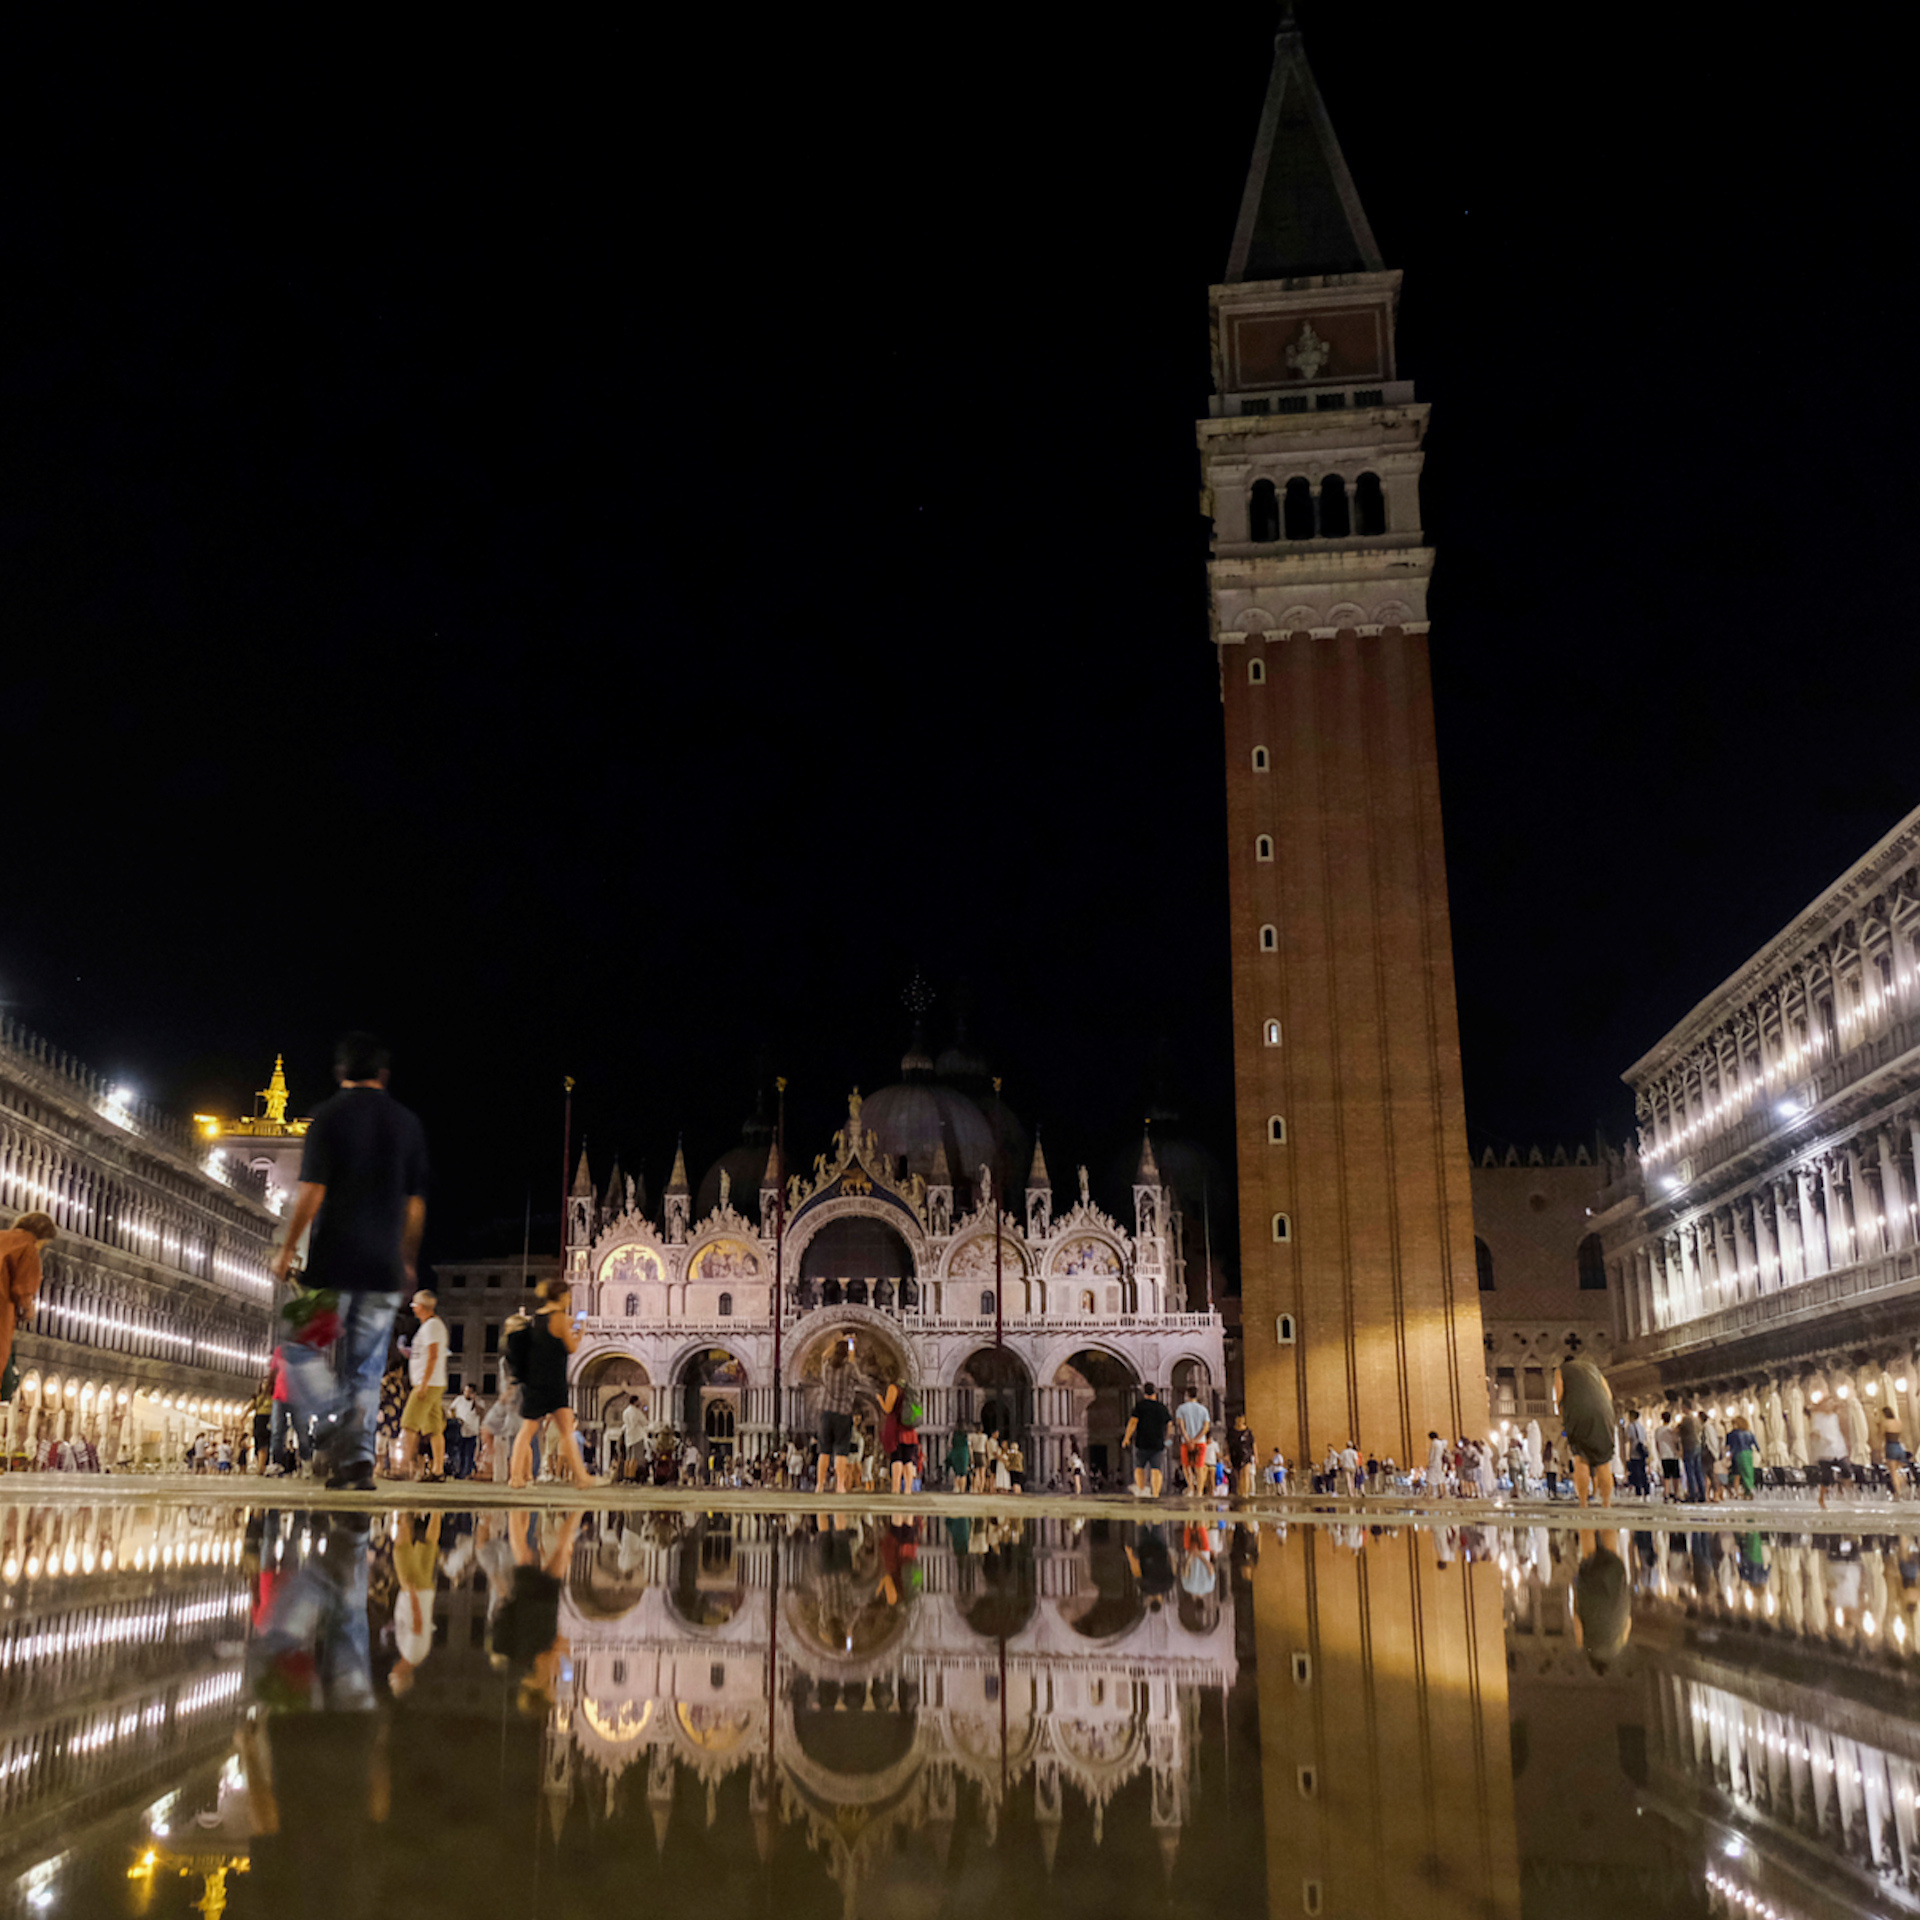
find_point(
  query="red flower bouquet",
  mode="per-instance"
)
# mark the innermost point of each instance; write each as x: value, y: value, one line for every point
x: 313, y: 1319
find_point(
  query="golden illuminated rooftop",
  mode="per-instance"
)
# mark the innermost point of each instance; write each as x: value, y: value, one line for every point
x: 270, y: 1123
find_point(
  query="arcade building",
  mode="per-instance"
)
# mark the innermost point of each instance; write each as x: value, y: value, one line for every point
x: 1034, y: 1315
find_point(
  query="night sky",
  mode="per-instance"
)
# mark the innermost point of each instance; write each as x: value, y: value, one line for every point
x: 602, y: 552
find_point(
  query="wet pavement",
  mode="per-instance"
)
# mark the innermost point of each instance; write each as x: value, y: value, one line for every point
x: 215, y: 1705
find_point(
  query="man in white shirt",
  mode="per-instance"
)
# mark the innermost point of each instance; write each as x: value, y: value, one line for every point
x: 633, y: 1440
x: 427, y: 1370
x: 1827, y: 1442
x: 466, y: 1416
x: 1350, y: 1468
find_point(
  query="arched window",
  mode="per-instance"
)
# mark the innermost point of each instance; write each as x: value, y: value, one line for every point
x: 1296, y: 512
x: 1369, y: 505
x: 1592, y: 1264
x: 1269, y: 940
x: 1259, y: 759
x: 1273, y: 1033
x: 1483, y: 1260
x: 986, y: 1305
x: 1257, y: 670
x: 726, y: 1305
x: 633, y: 1305
x: 1276, y: 1130
x: 1263, y: 512
x: 1263, y: 847
x: 1335, y: 521
x: 1282, y: 1227
x: 1283, y: 1330
x: 1086, y: 1300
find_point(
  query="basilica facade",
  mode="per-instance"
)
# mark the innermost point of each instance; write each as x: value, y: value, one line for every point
x: 1034, y: 1315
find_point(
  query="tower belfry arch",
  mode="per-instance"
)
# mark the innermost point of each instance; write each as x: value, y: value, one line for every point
x: 1359, y: 1293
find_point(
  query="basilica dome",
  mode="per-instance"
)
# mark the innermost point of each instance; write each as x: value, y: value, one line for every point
x: 743, y: 1165
x: 917, y: 1116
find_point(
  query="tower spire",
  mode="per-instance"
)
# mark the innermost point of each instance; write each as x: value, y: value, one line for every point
x: 274, y: 1093
x: 1300, y: 213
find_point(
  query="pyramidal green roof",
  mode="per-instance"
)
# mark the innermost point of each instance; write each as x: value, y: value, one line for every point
x: 1300, y: 214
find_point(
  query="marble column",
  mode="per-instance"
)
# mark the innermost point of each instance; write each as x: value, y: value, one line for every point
x: 1813, y: 1238
x: 1766, y: 1241
x: 1859, y: 1237
x: 1893, y: 1190
x: 1746, y: 1254
x: 1656, y: 1258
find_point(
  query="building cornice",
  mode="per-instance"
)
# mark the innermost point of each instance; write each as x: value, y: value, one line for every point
x: 1803, y: 932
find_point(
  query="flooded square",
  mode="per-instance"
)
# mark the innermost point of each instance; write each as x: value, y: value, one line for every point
x: 281, y: 1710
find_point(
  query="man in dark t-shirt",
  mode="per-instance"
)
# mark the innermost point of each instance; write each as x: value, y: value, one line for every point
x: 363, y: 1185
x: 1147, y: 1434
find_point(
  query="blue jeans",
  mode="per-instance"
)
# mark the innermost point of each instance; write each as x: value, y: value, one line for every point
x: 277, y: 1434
x: 320, y: 1608
x: 1695, y: 1476
x: 339, y: 1389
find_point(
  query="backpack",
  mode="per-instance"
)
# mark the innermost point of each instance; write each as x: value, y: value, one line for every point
x: 518, y: 1347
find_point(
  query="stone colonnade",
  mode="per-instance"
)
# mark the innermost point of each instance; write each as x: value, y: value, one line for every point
x: 1851, y: 1202
x: 1778, y: 1402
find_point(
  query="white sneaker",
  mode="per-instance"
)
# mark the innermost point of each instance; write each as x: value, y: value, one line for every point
x: 1138, y: 1492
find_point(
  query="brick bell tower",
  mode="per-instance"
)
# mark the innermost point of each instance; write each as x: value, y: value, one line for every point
x: 1359, y: 1287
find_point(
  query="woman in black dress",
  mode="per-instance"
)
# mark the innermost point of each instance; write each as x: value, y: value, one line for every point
x: 550, y: 1338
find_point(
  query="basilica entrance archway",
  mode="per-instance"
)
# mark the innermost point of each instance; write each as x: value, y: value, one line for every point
x: 879, y: 1355
x: 1104, y: 1388
x: 993, y: 1394
x: 605, y: 1386
x: 709, y: 1390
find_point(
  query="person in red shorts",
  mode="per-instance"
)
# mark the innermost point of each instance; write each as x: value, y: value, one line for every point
x: 1195, y: 1423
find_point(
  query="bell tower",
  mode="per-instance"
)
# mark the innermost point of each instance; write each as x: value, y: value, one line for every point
x: 1359, y: 1291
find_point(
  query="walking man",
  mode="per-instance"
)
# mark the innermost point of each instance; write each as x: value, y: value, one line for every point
x: 839, y: 1382
x: 1666, y: 1447
x: 20, y: 1248
x: 425, y: 1412
x: 1586, y: 1412
x: 1195, y: 1423
x: 363, y: 1187
x: 1147, y: 1435
x: 464, y: 1411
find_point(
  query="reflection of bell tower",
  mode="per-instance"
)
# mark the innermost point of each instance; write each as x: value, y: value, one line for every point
x: 1360, y: 1302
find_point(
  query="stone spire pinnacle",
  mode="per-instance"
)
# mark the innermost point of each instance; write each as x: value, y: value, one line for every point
x: 615, y: 1197
x: 582, y: 1179
x: 941, y: 1172
x: 1037, y: 1174
x: 677, y: 1179
x: 1300, y: 213
x: 274, y: 1093
x: 1147, y: 1174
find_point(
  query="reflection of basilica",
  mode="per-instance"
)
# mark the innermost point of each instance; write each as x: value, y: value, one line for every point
x: 912, y: 1682
x: 896, y: 1240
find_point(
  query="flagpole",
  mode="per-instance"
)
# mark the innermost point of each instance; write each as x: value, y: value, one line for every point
x: 779, y: 1246
x: 566, y: 1150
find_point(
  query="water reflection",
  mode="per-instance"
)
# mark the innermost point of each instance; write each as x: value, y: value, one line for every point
x: 529, y: 1714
